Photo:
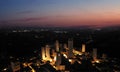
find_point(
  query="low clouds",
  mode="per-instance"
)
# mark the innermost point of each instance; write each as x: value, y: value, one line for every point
x: 32, y: 19
x: 24, y: 20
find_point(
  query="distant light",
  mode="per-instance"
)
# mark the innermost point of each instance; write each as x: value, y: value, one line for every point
x: 5, y: 69
x: 33, y: 70
x: 25, y: 64
x: 17, y: 58
x: 50, y: 60
x: 70, y: 60
x: 98, y: 29
x: 77, y: 34
x: 65, y: 55
x: 55, y: 67
x: 58, y: 54
x: 93, y: 64
x: 67, y: 71
x: 79, y: 54
x: 14, y: 31
x: 79, y: 62
x: 38, y: 64
x: 97, y: 61
x: 11, y: 57
x: 55, y: 58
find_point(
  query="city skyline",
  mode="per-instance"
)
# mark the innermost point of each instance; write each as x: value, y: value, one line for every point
x: 59, y: 13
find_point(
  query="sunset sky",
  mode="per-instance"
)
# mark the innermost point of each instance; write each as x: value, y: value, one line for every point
x: 59, y: 13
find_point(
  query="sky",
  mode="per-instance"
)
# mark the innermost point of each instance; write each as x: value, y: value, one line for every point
x: 59, y: 13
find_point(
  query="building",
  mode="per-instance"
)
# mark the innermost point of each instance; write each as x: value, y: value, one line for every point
x: 94, y: 53
x: 57, y: 45
x: 43, y: 53
x: 47, y: 48
x: 70, y: 46
x: 83, y: 47
x: 46, y: 53
x: 58, y: 59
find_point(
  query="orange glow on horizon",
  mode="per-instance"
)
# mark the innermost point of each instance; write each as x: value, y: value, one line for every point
x: 97, y: 19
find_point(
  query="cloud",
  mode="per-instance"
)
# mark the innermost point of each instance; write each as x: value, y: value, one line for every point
x: 23, y: 20
x: 32, y: 19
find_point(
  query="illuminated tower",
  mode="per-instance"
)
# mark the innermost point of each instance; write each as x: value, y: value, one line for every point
x: 58, y: 56
x: 57, y: 46
x: 47, y: 48
x: 46, y: 52
x: 65, y: 46
x: 53, y: 52
x: 83, y: 47
x: 94, y: 53
x: 70, y: 46
x: 58, y: 59
x: 43, y: 53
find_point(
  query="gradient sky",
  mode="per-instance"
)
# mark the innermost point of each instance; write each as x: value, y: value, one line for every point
x: 60, y: 13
